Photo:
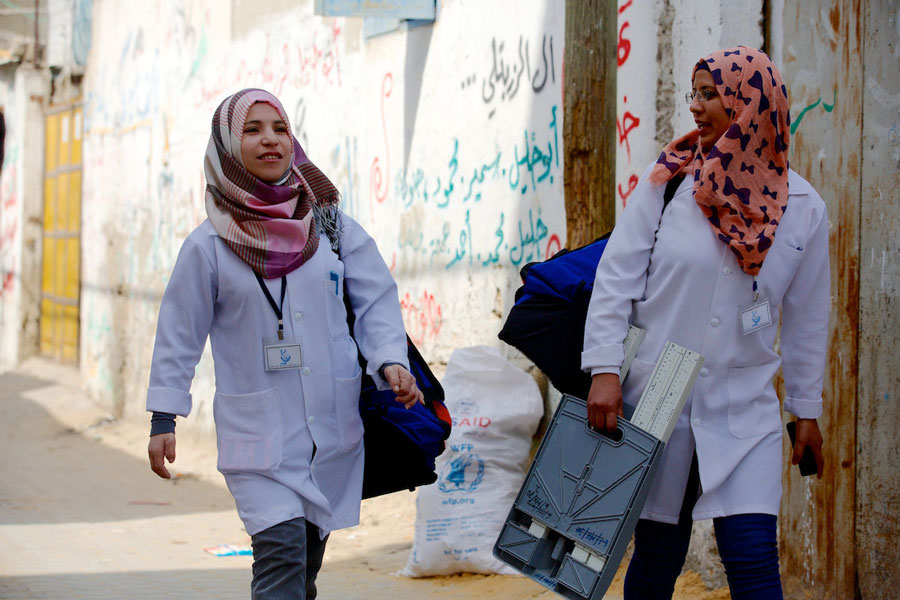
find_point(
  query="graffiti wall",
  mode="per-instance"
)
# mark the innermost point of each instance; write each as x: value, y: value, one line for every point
x: 444, y: 141
x: 21, y: 90
x: 10, y: 220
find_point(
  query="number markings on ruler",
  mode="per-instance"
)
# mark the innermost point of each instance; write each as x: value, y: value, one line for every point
x: 664, y: 397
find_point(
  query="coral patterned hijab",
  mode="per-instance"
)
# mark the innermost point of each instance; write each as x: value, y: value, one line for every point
x: 270, y: 226
x: 741, y: 185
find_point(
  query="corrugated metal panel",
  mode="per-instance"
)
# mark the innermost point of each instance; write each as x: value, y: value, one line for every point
x: 823, y: 70
x: 878, y: 416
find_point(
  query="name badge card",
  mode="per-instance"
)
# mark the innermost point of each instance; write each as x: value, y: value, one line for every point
x: 280, y: 355
x: 755, y: 316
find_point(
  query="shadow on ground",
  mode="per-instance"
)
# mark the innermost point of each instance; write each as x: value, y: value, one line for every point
x: 55, y: 474
x: 224, y: 584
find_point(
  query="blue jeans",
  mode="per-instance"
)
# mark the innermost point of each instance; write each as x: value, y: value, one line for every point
x: 286, y: 559
x: 747, y: 545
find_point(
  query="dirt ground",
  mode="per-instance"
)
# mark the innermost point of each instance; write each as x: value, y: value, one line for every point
x: 81, y: 515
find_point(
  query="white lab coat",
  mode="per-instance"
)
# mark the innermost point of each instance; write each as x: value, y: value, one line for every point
x: 687, y: 288
x: 268, y: 422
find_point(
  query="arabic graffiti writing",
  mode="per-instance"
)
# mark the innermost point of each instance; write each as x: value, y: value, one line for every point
x: 523, y: 246
x: 529, y: 240
x: 536, y: 157
x: 627, y: 121
x: 422, y: 316
x: 531, y: 162
x: 528, y: 247
x: 894, y: 131
x: 504, y: 81
x: 828, y: 108
x: 378, y: 181
x: 342, y: 172
x: 554, y: 245
x: 311, y: 59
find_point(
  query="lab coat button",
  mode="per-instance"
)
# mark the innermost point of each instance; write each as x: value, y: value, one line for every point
x: 312, y: 420
x: 298, y: 315
x: 714, y: 321
x: 696, y: 422
x: 704, y: 372
x: 305, y: 370
x: 726, y: 271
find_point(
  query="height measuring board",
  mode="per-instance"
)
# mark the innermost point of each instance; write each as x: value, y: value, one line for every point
x: 664, y: 397
x: 571, y: 522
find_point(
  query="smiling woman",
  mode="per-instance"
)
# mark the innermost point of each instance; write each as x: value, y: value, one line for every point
x: 706, y: 105
x: 708, y: 272
x: 266, y: 144
x: 264, y: 278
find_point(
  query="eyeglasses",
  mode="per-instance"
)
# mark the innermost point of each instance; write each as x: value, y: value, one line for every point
x: 705, y: 95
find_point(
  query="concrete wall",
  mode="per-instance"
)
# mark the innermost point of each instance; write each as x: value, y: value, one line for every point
x: 22, y: 92
x: 443, y: 139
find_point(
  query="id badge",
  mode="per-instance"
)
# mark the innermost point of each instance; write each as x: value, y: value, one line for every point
x: 755, y: 316
x: 280, y: 355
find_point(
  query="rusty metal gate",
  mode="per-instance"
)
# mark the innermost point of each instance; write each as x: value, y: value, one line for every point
x: 841, y: 65
x: 60, y: 278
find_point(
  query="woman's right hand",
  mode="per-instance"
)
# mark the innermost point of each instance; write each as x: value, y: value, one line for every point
x: 161, y: 446
x: 604, y: 403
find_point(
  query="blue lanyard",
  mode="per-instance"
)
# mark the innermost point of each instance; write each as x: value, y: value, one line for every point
x: 276, y: 307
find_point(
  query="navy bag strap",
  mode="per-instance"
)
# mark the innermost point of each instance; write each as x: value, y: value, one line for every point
x: 671, y: 188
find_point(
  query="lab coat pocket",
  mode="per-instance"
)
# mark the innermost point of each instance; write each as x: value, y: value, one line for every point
x: 333, y: 282
x: 753, y: 407
x: 249, y: 431
x: 346, y: 403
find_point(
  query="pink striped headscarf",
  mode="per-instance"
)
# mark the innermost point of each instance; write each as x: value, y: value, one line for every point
x: 270, y: 226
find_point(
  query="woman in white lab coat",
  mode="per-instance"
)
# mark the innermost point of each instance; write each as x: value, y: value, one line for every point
x: 743, y: 242
x: 264, y: 278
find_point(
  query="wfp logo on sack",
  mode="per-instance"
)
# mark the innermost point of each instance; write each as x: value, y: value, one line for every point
x: 462, y: 474
x: 467, y: 411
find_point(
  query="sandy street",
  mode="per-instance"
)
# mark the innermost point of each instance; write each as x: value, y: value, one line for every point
x: 82, y: 516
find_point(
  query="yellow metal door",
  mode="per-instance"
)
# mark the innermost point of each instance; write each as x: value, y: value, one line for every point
x: 60, y: 282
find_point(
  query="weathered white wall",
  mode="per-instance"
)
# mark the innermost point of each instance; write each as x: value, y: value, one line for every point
x: 22, y: 90
x: 444, y: 140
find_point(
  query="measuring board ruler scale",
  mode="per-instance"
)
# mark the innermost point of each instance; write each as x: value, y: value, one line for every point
x: 558, y: 555
x: 664, y: 396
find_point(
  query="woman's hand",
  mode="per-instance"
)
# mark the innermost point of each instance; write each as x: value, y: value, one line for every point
x: 808, y: 434
x: 404, y: 385
x: 604, y: 401
x: 162, y: 445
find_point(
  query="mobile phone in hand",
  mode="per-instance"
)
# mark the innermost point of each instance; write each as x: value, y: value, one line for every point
x: 807, y: 463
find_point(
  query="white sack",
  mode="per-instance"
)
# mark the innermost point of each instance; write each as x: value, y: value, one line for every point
x: 496, y: 409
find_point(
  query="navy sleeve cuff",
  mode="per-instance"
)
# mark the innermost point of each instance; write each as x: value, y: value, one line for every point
x: 162, y: 422
x: 384, y: 366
